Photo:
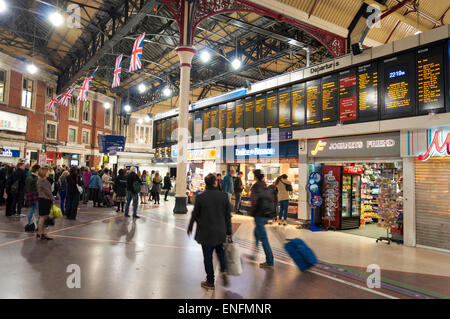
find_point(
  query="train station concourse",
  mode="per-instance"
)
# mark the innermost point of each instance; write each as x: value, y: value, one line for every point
x: 225, y: 158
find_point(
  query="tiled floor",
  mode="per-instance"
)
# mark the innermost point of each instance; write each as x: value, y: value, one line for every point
x: 154, y: 258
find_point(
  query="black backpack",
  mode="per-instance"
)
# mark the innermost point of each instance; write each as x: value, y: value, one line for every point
x: 288, y: 187
x: 266, y: 203
x: 15, y: 187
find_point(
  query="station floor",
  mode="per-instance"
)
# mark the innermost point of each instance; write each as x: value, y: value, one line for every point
x: 153, y: 257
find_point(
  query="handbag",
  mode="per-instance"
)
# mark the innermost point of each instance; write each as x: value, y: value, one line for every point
x: 55, y: 212
x: 233, y: 259
x: 80, y: 189
x: 114, y: 197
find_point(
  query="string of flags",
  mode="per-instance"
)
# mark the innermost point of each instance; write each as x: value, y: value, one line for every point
x: 135, y: 64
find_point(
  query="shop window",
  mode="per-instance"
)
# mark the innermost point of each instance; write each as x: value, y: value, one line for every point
x: 51, y: 131
x: 49, y: 92
x: 27, y: 93
x: 85, y: 137
x: 108, y: 117
x: 87, y: 111
x: 2, y: 85
x: 72, y: 136
x: 73, y: 108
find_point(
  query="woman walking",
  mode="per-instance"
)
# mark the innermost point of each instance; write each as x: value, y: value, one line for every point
x: 120, y: 190
x: 144, y: 187
x: 45, y: 201
x: 95, y: 187
x: 31, y: 192
x: 156, y: 189
x: 167, y: 185
x: 73, y: 193
x: 63, y: 199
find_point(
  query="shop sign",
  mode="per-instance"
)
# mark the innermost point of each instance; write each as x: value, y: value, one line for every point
x: 440, y: 146
x: 202, y: 154
x: 254, y: 152
x: 375, y: 145
x: 13, y: 122
x: 353, y: 170
x: 9, y: 152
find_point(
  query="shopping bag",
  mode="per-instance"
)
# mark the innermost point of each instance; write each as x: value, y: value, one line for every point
x: 233, y: 258
x: 55, y: 212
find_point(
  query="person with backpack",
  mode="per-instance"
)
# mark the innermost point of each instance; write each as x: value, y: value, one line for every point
x: 212, y: 213
x: 120, y: 190
x: 31, y: 192
x: 263, y: 208
x: 284, y: 187
x: 167, y: 185
x: 18, y: 189
x: 95, y: 189
x: 133, y: 188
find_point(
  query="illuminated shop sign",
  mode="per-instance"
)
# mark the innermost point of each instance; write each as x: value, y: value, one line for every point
x: 8, y: 152
x: 439, y: 146
x: 255, y: 151
x: 200, y: 155
x: 385, y: 144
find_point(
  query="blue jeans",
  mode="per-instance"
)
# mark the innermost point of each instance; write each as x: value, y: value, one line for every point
x: 63, y: 202
x: 261, y: 236
x: 284, y: 205
x: 31, y: 212
x: 208, y: 260
x: 135, y: 198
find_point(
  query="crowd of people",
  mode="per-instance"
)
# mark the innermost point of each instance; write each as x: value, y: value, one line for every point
x: 38, y: 188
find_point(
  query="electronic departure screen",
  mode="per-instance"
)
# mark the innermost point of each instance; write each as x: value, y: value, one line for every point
x: 158, y: 133
x: 249, y: 112
x: 260, y: 108
x: 163, y: 132
x: 347, y: 96
x: 329, y: 99
x: 206, y: 120
x: 230, y: 115
x: 398, y: 86
x: 214, y: 115
x: 239, y: 114
x: 430, y: 80
x: 284, y: 107
x: 223, y: 119
x: 367, y: 77
x: 271, y: 109
x: 298, y: 105
x: 313, y: 102
x: 168, y: 130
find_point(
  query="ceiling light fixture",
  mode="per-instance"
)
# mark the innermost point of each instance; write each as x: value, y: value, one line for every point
x: 142, y: 88
x: 106, y: 105
x: 236, y: 63
x: 56, y: 18
x: 140, y: 121
x: 127, y: 108
x: 3, y: 6
x: 31, y: 68
x: 205, y: 56
x: 167, y: 91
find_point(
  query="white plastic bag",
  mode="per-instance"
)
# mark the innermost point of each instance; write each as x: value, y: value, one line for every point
x: 233, y: 259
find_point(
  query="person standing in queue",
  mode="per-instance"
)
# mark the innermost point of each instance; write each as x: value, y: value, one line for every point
x: 86, y: 179
x: 212, y: 213
x: 73, y: 194
x: 284, y: 187
x: 18, y: 188
x: 227, y: 184
x: 156, y: 188
x: 120, y: 190
x: 262, y: 209
x: 45, y: 201
x: 31, y: 192
x: 133, y: 188
x: 167, y: 185
x: 238, y: 188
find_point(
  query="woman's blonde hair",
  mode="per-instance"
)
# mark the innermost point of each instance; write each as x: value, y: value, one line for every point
x: 65, y: 174
x: 43, y: 172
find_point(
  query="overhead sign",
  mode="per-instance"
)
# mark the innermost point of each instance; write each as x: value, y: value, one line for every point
x: 375, y: 145
x: 112, y: 144
x: 13, y: 122
x: 353, y: 170
x: 439, y: 146
x: 201, y: 155
x: 9, y: 152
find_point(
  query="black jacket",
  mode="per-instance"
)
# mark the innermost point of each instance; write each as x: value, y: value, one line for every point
x: 238, y: 188
x: 256, y: 189
x: 131, y: 178
x: 31, y: 184
x: 120, y: 185
x: 72, y: 182
x: 19, y: 175
x: 167, y: 183
x: 212, y: 213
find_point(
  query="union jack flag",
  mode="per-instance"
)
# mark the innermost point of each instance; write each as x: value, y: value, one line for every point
x: 136, y: 55
x: 117, y: 71
x: 51, y: 105
x: 85, y: 87
x: 66, y: 97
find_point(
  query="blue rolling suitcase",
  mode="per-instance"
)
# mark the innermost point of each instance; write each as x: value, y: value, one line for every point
x: 300, y: 253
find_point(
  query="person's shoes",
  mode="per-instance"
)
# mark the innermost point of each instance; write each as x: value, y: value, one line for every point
x: 207, y: 285
x: 284, y: 223
x: 44, y: 237
x: 158, y: 203
x: 265, y: 265
x: 38, y: 236
x: 127, y: 215
x: 225, y: 280
x: 136, y: 217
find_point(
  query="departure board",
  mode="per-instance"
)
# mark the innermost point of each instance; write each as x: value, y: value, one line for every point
x: 272, y: 109
x: 249, y: 112
x: 329, y: 99
x: 163, y: 131
x: 239, y: 114
x: 298, y: 104
x: 430, y: 80
x: 206, y: 120
x: 223, y: 119
x: 231, y: 115
x: 158, y: 133
x: 347, y: 95
x: 168, y: 130
x: 260, y: 109
x: 284, y: 107
x: 313, y: 102
x: 367, y: 77
x: 398, y: 86
x: 214, y: 115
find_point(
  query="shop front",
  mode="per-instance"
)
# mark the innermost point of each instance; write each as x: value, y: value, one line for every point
x: 432, y: 198
x: 70, y: 159
x: 362, y: 187
x: 10, y: 155
x: 273, y: 159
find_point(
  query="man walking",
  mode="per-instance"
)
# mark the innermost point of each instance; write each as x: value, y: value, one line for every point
x: 212, y: 213
x: 133, y: 188
x: 238, y: 188
x: 227, y: 184
x: 18, y: 189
